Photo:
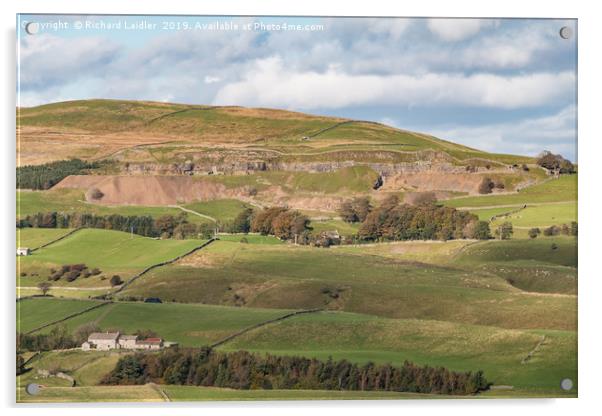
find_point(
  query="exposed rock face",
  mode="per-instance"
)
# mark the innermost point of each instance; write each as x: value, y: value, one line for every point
x: 243, y: 161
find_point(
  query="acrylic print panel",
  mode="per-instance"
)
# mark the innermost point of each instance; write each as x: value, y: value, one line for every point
x: 299, y: 208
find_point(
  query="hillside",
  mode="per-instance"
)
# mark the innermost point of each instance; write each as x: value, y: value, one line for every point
x: 264, y: 156
x: 139, y: 130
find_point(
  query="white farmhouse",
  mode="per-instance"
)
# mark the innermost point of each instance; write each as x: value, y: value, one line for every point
x: 102, y: 341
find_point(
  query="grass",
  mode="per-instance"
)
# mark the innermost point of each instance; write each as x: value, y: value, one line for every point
x: 250, y: 238
x: 189, y: 325
x: 35, y: 237
x: 360, y: 338
x: 367, y: 282
x: 344, y: 228
x: 73, y: 201
x: 224, y: 210
x: 33, y: 313
x: 563, y: 189
x: 541, y: 216
x: 110, y: 251
x: 537, y: 251
x: 353, y: 179
x: 91, y: 394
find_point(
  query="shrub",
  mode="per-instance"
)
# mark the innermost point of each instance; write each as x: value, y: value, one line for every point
x: 534, y: 232
x: 504, y: 231
x: 71, y: 276
x: 116, y: 280
x: 94, y: 194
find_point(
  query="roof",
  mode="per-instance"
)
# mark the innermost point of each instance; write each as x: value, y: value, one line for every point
x: 103, y: 336
x: 151, y: 341
x: 128, y: 337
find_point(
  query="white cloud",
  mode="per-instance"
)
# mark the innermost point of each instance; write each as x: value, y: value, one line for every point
x: 453, y: 30
x: 556, y: 132
x: 270, y: 83
x: 46, y: 60
x: 211, y: 80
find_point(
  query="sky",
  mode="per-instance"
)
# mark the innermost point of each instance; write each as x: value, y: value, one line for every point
x: 499, y: 85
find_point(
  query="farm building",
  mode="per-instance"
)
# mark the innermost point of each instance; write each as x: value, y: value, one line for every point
x: 102, y: 341
x: 114, y: 340
x: 23, y: 251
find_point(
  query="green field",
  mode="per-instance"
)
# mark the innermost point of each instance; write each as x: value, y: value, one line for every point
x: 35, y: 237
x: 224, y: 210
x: 343, y: 228
x: 369, y: 282
x: 542, y: 216
x: 356, y: 337
x: 563, y: 189
x: 362, y: 338
x: 203, y: 324
x: 33, y: 313
x: 110, y: 251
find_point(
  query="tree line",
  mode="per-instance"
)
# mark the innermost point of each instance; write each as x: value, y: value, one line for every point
x: 244, y: 370
x: 423, y: 220
x: 165, y: 226
x: 49, y: 174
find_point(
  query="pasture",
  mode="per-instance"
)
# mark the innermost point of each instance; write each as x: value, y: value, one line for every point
x: 541, y: 216
x: 110, y: 251
x: 563, y: 189
x: 357, y: 279
x: 35, y: 237
x: 189, y: 325
x: 33, y: 313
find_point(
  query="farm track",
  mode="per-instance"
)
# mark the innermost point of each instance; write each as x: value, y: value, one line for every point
x: 530, y: 204
x: 198, y: 214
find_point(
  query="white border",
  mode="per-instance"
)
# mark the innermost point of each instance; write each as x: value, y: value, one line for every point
x: 590, y: 137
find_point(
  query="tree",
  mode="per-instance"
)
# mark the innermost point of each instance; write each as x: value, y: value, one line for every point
x: 44, y: 287
x: 242, y: 222
x: 534, y: 232
x: 116, y: 280
x: 355, y: 210
x: 480, y: 230
x: 504, y: 231
x: 82, y: 332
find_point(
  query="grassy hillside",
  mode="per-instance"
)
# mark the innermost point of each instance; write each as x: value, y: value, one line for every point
x: 204, y: 324
x: 563, y: 189
x: 35, y: 237
x: 33, y: 313
x: 159, y: 131
x: 356, y: 280
x: 358, y: 338
x: 110, y: 251
x: 363, y: 338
